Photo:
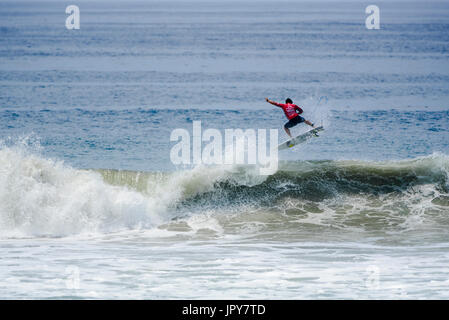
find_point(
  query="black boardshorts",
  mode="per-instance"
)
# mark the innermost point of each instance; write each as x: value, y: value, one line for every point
x: 294, y: 121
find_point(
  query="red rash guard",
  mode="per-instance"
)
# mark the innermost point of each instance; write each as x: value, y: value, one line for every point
x: 289, y: 109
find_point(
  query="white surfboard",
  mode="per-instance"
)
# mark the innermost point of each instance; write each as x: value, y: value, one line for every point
x: 300, y: 139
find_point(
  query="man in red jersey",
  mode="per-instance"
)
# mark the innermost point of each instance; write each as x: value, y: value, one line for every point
x: 292, y: 112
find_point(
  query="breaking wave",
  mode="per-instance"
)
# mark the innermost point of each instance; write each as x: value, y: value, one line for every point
x: 44, y: 197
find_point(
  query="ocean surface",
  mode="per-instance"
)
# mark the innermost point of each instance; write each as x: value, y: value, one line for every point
x: 92, y: 207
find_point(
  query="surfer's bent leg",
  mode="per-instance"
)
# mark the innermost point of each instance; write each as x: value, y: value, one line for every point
x: 288, y: 132
x: 291, y: 123
x: 309, y: 123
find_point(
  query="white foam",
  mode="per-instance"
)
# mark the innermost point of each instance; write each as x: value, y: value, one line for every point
x: 43, y: 197
x: 40, y: 197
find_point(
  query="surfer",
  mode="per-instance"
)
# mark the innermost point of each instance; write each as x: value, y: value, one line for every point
x: 292, y: 112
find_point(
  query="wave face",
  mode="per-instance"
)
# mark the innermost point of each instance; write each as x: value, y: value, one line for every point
x: 43, y: 197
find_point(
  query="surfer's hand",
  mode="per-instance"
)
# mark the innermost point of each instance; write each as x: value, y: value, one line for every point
x: 267, y: 100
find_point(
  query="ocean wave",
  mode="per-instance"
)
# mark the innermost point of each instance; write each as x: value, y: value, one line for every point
x: 308, y: 180
x: 44, y: 197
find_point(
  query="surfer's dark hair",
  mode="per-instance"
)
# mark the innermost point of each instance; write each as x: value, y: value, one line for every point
x: 288, y: 100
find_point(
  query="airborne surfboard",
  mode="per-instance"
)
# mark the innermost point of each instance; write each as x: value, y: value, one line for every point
x: 300, y: 139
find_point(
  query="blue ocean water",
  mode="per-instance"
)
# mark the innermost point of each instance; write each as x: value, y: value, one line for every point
x: 139, y: 139
x: 86, y: 181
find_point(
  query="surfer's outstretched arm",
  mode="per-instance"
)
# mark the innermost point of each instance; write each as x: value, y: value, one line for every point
x: 272, y: 102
